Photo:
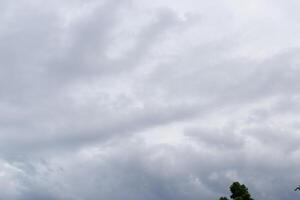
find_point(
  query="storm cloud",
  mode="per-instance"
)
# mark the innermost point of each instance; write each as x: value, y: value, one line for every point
x: 154, y: 100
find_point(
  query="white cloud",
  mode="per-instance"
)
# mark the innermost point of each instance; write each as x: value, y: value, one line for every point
x: 160, y: 100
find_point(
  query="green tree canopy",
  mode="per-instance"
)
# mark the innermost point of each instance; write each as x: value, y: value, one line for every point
x: 238, y: 192
x: 223, y: 198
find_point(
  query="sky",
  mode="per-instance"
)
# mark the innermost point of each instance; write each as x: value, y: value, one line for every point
x: 149, y: 100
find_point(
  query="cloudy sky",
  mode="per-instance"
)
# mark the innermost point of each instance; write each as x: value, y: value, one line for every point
x: 149, y: 100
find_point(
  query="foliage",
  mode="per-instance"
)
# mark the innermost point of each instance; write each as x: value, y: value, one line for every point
x: 238, y: 192
x: 223, y: 198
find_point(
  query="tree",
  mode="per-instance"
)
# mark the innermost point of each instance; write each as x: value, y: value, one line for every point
x: 223, y: 198
x: 238, y: 192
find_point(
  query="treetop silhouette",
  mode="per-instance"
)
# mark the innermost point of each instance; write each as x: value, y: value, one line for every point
x: 238, y: 192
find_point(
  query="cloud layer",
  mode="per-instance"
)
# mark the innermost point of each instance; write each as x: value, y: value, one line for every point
x: 127, y: 99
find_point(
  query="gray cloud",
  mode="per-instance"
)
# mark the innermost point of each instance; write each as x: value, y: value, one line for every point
x: 169, y: 100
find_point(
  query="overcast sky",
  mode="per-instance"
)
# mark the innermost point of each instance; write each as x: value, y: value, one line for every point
x: 149, y: 99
